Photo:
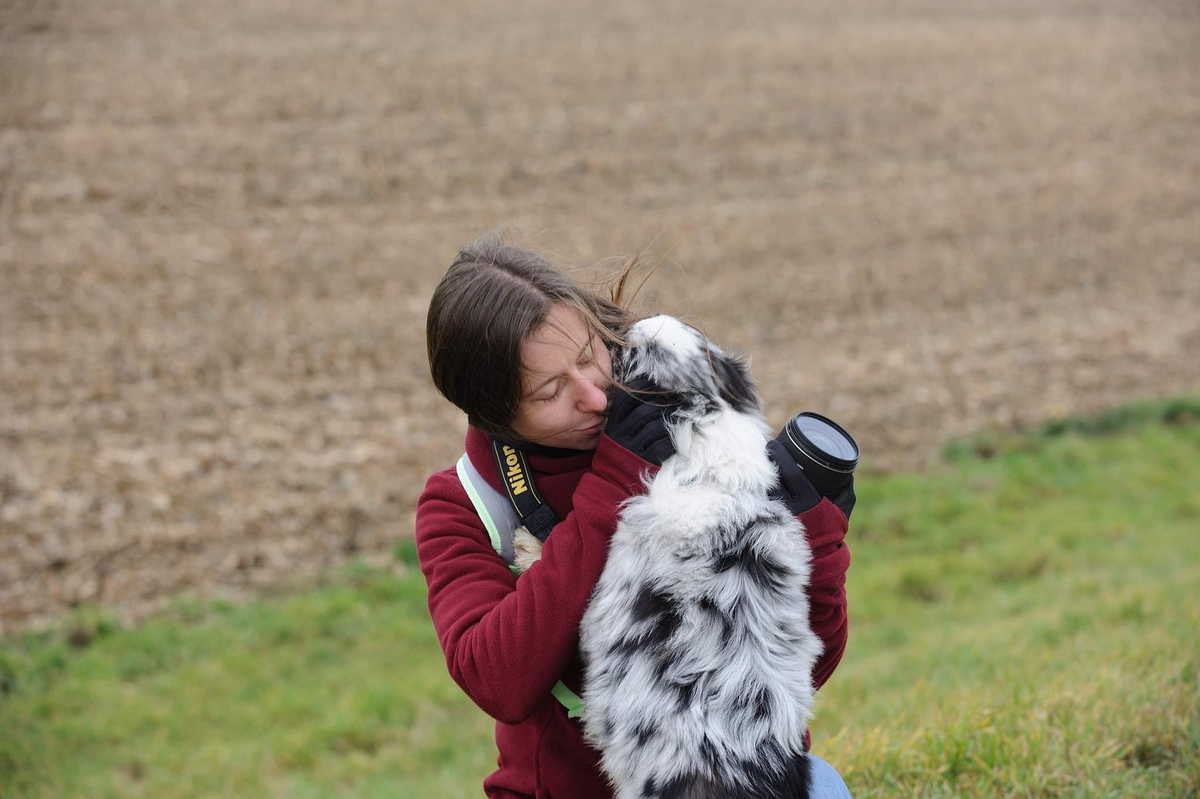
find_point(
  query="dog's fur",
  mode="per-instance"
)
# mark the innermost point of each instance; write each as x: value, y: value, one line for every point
x: 696, y: 642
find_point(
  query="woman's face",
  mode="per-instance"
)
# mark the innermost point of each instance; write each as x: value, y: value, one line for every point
x: 565, y: 369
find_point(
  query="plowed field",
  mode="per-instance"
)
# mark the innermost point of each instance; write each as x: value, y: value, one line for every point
x: 220, y: 223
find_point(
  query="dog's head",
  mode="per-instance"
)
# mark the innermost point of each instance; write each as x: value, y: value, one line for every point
x: 681, y: 361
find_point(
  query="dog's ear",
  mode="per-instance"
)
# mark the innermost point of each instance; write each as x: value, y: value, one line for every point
x: 619, y: 362
x: 629, y: 363
x: 734, y: 383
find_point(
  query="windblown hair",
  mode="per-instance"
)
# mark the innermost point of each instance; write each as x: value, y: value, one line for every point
x: 697, y: 648
x: 492, y: 297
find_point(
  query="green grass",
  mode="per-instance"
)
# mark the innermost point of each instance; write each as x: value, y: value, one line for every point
x: 1024, y: 623
x: 336, y: 692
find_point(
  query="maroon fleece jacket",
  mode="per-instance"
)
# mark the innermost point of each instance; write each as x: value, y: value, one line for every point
x: 508, y: 641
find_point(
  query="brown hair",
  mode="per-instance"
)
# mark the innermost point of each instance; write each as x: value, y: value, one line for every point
x: 491, y: 298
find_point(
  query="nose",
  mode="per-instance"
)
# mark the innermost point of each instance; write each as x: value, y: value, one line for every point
x: 592, y: 398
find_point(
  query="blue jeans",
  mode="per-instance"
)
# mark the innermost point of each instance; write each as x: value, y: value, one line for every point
x: 826, y: 782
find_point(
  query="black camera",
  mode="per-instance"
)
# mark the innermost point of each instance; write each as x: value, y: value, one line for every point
x: 826, y: 452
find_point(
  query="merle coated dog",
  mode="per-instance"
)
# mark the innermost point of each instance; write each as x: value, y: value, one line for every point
x: 696, y: 642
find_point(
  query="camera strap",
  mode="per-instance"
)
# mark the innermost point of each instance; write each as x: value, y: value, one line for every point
x: 535, y: 514
x: 501, y: 522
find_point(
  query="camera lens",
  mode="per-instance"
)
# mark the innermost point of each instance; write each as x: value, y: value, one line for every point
x: 827, y: 453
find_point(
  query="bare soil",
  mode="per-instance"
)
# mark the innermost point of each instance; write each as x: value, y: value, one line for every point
x: 220, y: 224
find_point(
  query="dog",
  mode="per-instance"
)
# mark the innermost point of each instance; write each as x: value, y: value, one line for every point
x: 698, y: 653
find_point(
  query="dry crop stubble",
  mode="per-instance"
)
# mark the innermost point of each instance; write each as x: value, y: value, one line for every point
x: 221, y: 224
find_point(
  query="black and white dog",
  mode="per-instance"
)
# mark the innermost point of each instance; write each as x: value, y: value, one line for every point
x: 696, y: 643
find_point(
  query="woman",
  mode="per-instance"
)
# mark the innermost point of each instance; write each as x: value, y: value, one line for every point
x: 524, y: 353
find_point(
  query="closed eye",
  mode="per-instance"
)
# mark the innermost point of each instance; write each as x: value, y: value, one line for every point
x: 587, y: 356
x: 550, y: 397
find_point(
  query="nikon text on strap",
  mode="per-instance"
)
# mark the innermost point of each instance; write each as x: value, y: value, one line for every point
x: 535, y: 514
x: 493, y: 509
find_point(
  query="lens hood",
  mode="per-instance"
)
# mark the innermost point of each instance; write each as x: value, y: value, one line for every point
x: 822, y: 441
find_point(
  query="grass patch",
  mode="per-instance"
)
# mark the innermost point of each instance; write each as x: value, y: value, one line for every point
x: 336, y: 692
x: 1023, y: 624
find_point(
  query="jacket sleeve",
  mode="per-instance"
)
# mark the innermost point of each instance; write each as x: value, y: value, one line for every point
x: 507, y: 641
x: 825, y: 525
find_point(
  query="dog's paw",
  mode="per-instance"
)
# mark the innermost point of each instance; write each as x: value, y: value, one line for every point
x: 527, y: 549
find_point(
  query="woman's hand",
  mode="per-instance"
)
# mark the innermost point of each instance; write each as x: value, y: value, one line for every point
x: 637, y: 420
x: 794, y: 487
